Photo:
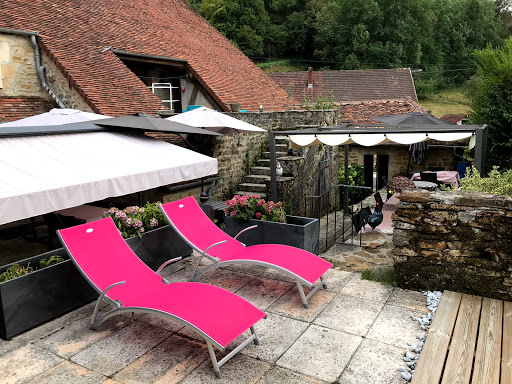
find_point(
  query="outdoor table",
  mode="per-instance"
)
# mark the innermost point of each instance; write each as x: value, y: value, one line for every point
x: 445, y: 177
x: 425, y: 184
x: 84, y: 213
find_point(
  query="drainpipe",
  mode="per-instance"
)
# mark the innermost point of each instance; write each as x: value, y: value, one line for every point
x: 40, y: 69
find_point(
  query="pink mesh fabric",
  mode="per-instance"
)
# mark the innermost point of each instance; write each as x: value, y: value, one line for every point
x: 105, y: 258
x: 191, y: 221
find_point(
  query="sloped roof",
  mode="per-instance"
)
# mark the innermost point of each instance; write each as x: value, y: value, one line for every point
x: 15, y: 108
x: 455, y: 117
x: 349, y: 86
x: 75, y: 34
x: 363, y: 112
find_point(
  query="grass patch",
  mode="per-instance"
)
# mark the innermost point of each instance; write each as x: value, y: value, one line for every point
x: 446, y: 102
x: 384, y: 275
x: 278, y: 66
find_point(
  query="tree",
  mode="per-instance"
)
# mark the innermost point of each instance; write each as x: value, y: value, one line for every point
x: 491, y: 94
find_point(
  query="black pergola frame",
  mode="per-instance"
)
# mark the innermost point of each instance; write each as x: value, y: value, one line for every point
x: 480, y: 132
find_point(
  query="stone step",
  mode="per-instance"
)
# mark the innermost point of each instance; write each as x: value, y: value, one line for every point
x: 282, y: 147
x: 241, y: 193
x: 260, y: 171
x: 258, y: 188
x: 263, y: 163
x: 266, y: 155
x: 256, y: 179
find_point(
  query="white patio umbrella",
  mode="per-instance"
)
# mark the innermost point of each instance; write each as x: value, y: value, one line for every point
x: 55, y: 117
x: 211, y: 120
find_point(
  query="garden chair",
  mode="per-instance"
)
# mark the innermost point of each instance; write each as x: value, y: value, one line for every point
x: 119, y: 276
x: 189, y: 221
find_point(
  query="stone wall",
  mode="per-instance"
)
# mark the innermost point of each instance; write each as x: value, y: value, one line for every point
x: 399, y: 157
x: 18, y: 68
x: 457, y: 240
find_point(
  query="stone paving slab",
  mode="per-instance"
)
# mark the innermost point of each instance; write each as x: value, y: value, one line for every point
x: 72, y: 339
x: 350, y: 314
x: 413, y: 300
x: 395, y: 326
x: 169, y: 362
x: 25, y: 363
x: 115, y: 352
x: 67, y: 372
x: 284, y: 376
x: 239, y: 370
x: 229, y: 280
x: 367, y: 289
x: 320, y: 352
x: 374, y: 363
x: 262, y: 292
x: 336, y: 279
x: 276, y: 334
x: 290, y: 304
x: 161, y: 322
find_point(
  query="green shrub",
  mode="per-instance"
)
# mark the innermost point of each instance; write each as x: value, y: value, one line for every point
x: 17, y: 270
x: 55, y: 259
x: 355, y: 177
x: 384, y: 275
x: 498, y: 183
x: 133, y: 221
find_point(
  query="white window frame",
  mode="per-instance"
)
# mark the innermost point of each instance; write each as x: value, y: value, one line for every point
x: 168, y: 86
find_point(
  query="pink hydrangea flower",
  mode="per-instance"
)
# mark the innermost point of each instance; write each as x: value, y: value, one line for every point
x: 258, y: 215
x: 153, y: 222
x: 233, y: 213
x: 137, y: 224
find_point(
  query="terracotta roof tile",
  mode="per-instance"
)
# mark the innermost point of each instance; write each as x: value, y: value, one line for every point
x: 363, y: 112
x: 15, y: 108
x: 74, y: 34
x: 455, y: 117
x: 349, y: 86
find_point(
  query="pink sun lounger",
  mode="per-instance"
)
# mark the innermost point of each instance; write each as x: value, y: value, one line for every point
x: 120, y: 277
x: 190, y: 222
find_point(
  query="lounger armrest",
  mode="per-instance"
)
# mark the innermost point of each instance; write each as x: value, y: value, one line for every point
x: 167, y: 263
x: 244, y: 230
x: 100, y: 298
x: 211, y: 246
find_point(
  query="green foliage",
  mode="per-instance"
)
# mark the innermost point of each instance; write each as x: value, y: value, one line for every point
x: 498, y: 183
x: 253, y: 207
x: 133, y: 221
x: 55, y: 259
x: 491, y: 95
x: 381, y: 275
x: 355, y: 177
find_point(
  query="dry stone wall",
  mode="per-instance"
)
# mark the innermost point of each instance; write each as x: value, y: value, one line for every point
x: 457, y: 240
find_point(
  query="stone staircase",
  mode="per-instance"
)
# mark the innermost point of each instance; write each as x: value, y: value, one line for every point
x: 254, y: 183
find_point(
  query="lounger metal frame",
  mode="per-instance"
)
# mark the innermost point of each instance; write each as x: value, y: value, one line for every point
x: 218, y: 263
x: 118, y: 309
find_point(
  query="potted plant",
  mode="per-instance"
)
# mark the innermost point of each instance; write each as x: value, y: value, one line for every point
x: 399, y: 183
x: 148, y: 235
x: 273, y: 225
x: 39, y: 289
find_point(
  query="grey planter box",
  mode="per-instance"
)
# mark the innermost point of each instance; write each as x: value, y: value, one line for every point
x: 41, y: 296
x: 159, y: 245
x: 300, y: 232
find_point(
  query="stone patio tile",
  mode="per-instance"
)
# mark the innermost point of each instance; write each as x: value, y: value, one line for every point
x: 161, y: 322
x: 239, y: 370
x: 320, y: 352
x: 169, y: 362
x: 25, y: 363
x: 110, y: 381
x: 336, y: 279
x: 229, y: 280
x: 67, y: 372
x: 291, y: 305
x: 10, y: 345
x: 75, y: 337
x: 249, y: 269
x: 395, y: 326
x: 276, y: 334
x: 263, y: 292
x: 115, y: 352
x: 285, y: 376
x: 367, y: 289
x: 374, y: 363
x: 408, y: 299
x: 59, y: 323
x: 349, y: 314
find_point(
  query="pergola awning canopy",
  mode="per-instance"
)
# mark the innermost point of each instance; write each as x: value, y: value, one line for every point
x: 45, y: 173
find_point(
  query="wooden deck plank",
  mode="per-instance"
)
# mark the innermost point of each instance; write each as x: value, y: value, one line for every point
x: 506, y: 355
x: 433, y: 355
x: 462, y: 348
x: 488, y: 349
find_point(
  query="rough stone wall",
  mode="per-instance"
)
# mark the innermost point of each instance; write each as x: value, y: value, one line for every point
x: 399, y: 157
x: 457, y: 240
x: 18, y: 68
x: 62, y: 87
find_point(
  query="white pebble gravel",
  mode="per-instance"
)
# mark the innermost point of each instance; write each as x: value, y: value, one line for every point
x: 412, y: 355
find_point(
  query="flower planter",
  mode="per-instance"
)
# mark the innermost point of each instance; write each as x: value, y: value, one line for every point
x: 159, y: 245
x: 42, y: 295
x: 300, y: 232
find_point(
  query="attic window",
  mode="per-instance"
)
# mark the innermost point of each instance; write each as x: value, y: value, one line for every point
x: 161, y: 89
